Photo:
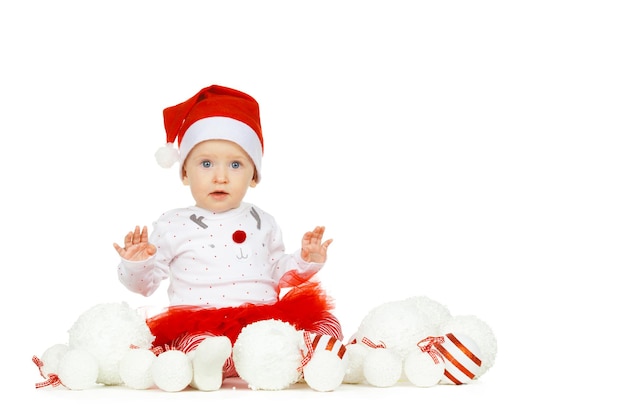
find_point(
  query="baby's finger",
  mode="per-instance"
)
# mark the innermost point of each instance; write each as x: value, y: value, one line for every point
x: 120, y: 250
x: 318, y: 233
x: 137, y: 235
x: 128, y: 239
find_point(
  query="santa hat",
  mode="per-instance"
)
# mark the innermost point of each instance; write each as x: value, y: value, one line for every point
x: 215, y: 112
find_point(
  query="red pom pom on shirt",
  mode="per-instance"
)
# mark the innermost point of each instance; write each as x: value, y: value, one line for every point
x: 239, y: 236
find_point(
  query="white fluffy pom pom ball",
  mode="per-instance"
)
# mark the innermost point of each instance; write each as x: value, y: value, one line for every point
x: 382, y: 368
x: 403, y: 323
x: 107, y: 331
x: 354, y: 358
x: 267, y: 355
x: 51, y: 358
x: 172, y: 371
x: 325, y: 371
x: 423, y: 369
x: 78, y: 369
x: 167, y: 155
x: 135, y: 368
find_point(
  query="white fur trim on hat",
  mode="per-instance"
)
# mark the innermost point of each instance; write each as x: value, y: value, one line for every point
x: 225, y: 128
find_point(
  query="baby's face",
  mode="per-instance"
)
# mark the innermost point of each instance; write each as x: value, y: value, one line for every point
x: 218, y: 173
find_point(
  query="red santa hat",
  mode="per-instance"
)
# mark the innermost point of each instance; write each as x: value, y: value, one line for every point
x: 215, y: 112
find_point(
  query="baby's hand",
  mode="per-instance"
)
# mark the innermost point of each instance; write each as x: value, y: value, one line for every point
x: 313, y: 250
x: 136, y: 246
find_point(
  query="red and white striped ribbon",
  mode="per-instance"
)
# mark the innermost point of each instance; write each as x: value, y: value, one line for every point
x: 320, y: 342
x: 368, y: 342
x: 306, y: 357
x: 429, y: 345
x: 50, y: 380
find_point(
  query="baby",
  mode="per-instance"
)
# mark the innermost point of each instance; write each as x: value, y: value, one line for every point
x: 224, y: 258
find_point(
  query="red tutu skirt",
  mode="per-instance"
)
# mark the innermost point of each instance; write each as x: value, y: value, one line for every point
x: 306, y: 307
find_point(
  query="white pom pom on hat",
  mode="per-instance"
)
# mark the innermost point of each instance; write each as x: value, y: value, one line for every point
x: 215, y: 112
x: 167, y: 155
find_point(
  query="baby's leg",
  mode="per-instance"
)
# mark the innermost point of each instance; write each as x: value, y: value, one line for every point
x: 208, y: 354
x: 208, y: 362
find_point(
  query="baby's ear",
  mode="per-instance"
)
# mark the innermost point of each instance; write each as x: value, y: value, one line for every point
x: 252, y: 183
x: 185, y: 178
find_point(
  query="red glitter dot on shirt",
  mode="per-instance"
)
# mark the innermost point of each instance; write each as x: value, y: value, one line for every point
x: 239, y: 236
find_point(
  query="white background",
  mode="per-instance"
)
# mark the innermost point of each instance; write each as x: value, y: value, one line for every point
x: 468, y: 151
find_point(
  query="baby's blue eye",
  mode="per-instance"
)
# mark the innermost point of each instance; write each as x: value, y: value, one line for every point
x: 235, y: 165
x: 206, y: 164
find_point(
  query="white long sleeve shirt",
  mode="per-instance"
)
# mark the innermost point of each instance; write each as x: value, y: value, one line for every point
x: 215, y: 259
